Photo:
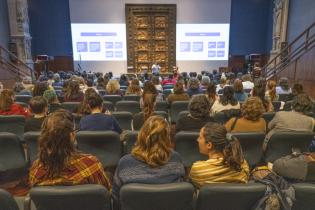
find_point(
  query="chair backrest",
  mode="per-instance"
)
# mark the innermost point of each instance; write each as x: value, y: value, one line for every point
x: 227, y: 196
x: 166, y: 92
x: 276, y: 105
x: 251, y: 144
x: 31, y: 139
x: 304, y: 195
x: 129, y: 139
x: 124, y: 119
x: 173, y: 196
x: 187, y: 146
x: 287, y: 106
x: 182, y: 114
x: 78, y: 197
x: 7, y: 202
x: 23, y: 98
x: 161, y: 106
x: 283, y: 97
x: 108, y: 105
x: 176, y: 108
x: 268, y: 116
x: 112, y: 98
x: 128, y: 106
x: 105, y: 145
x: 12, y: 158
x: 137, y: 121
x: 281, y: 143
x: 131, y: 98
x: 71, y: 106
x: 13, y: 124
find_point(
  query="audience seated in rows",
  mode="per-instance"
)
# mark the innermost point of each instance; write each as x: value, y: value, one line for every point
x: 178, y: 94
x: 247, y: 82
x: 52, y: 99
x: 198, y: 115
x: 39, y: 109
x: 259, y: 90
x: 72, y: 92
x: 271, y: 94
x: 194, y: 87
x: 97, y: 120
x: 283, y: 87
x: 152, y: 160
x: 239, y: 93
x: 226, y: 163
x: 134, y: 88
x: 57, y: 81
x: 295, y: 120
x: 8, y: 106
x: 113, y: 88
x: 226, y: 102
x: 251, y: 120
x: 59, y: 162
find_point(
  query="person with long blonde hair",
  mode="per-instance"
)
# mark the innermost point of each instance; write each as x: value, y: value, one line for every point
x: 152, y: 160
x: 113, y: 87
x: 271, y: 94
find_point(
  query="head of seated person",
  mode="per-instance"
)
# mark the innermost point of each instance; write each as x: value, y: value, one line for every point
x: 73, y: 92
x: 51, y: 97
x: 194, y: 86
x: 39, y: 109
x: 134, y: 88
x: 251, y: 120
x: 84, y: 108
x: 283, y: 87
x: 97, y: 120
x: 113, y: 87
x: 239, y: 93
x: 179, y: 93
x: 152, y: 160
x: 8, y: 105
x: 59, y: 162
x: 302, y: 103
x: 226, y: 161
x: 39, y: 88
x: 259, y: 90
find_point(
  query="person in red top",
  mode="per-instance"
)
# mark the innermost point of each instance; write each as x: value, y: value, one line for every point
x: 170, y: 81
x: 8, y: 107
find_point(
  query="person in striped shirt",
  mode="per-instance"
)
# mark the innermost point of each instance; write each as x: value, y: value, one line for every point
x: 59, y: 162
x: 226, y: 162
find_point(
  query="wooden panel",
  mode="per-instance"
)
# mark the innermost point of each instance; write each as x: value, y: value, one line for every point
x: 151, y: 36
x: 64, y: 63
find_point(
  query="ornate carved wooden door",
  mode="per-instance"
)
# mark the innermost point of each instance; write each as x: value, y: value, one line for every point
x: 151, y: 36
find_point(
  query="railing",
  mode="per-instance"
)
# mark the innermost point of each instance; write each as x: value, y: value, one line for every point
x: 18, y: 67
x: 302, y: 44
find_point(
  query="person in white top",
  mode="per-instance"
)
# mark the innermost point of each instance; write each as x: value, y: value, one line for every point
x: 247, y: 82
x: 226, y: 102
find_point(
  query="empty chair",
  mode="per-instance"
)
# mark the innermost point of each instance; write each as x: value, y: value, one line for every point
x: 31, y: 139
x: 7, y: 202
x: 304, y: 195
x: 122, y: 87
x: 108, y: 105
x: 112, y: 98
x: 137, y: 121
x: 161, y: 106
x: 228, y: 196
x: 187, y: 146
x: 124, y: 119
x: 71, y: 106
x: 12, y: 159
x: 276, y: 105
x: 105, y: 145
x: 268, y: 116
x: 281, y: 144
x: 251, y: 146
x: 128, y: 106
x: 174, y: 196
x: 176, y: 108
x: 78, y: 197
x: 13, y: 124
x: 23, y: 98
x: 131, y: 98
x: 129, y: 139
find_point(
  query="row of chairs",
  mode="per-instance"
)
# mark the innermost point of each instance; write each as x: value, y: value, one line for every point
x: 173, y: 196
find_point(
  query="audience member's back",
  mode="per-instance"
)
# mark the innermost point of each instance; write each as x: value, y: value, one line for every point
x: 39, y: 108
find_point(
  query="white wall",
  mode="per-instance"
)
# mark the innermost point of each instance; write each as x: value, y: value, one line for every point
x: 113, y: 11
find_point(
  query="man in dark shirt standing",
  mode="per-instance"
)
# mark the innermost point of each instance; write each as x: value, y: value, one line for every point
x: 98, y: 121
x: 39, y: 108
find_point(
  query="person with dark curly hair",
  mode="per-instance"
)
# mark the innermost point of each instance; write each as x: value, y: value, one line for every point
x: 259, y: 90
x: 251, y: 120
x: 179, y: 93
x: 295, y: 120
x: 194, y: 87
x: 226, y: 102
x: 72, y: 92
x: 198, y: 115
x: 134, y: 88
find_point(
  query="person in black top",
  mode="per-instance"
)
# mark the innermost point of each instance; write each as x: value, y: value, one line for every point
x: 199, y: 114
x: 98, y: 121
x: 39, y: 108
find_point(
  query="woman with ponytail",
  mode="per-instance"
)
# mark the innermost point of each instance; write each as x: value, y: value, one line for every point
x: 226, y: 163
x: 271, y: 94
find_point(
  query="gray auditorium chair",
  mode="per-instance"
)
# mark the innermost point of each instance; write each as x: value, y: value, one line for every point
x: 7, y: 202
x: 23, y: 98
x: 304, y: 195
x: 137, y: 121
x: 105, y: 145
x: 187, y: 146
x: 13, y: 163
x: 13, y: 124
x: 31, y: 139
x: 112, y: 98
x: 108, y: 105
x: 251, y: 146
x: 176, y: 108
x: 128, y: 106
x: 268, y: 116
x: 276, y: 105
x: 124, y: 119
x: 77, y: 197
x: 173, y: 196
x: 161, y: 106
x: 281, y: 144
x: 71, y: 106
x: 229, y: 196
x: 131, y: 98
x: 128, y: 141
